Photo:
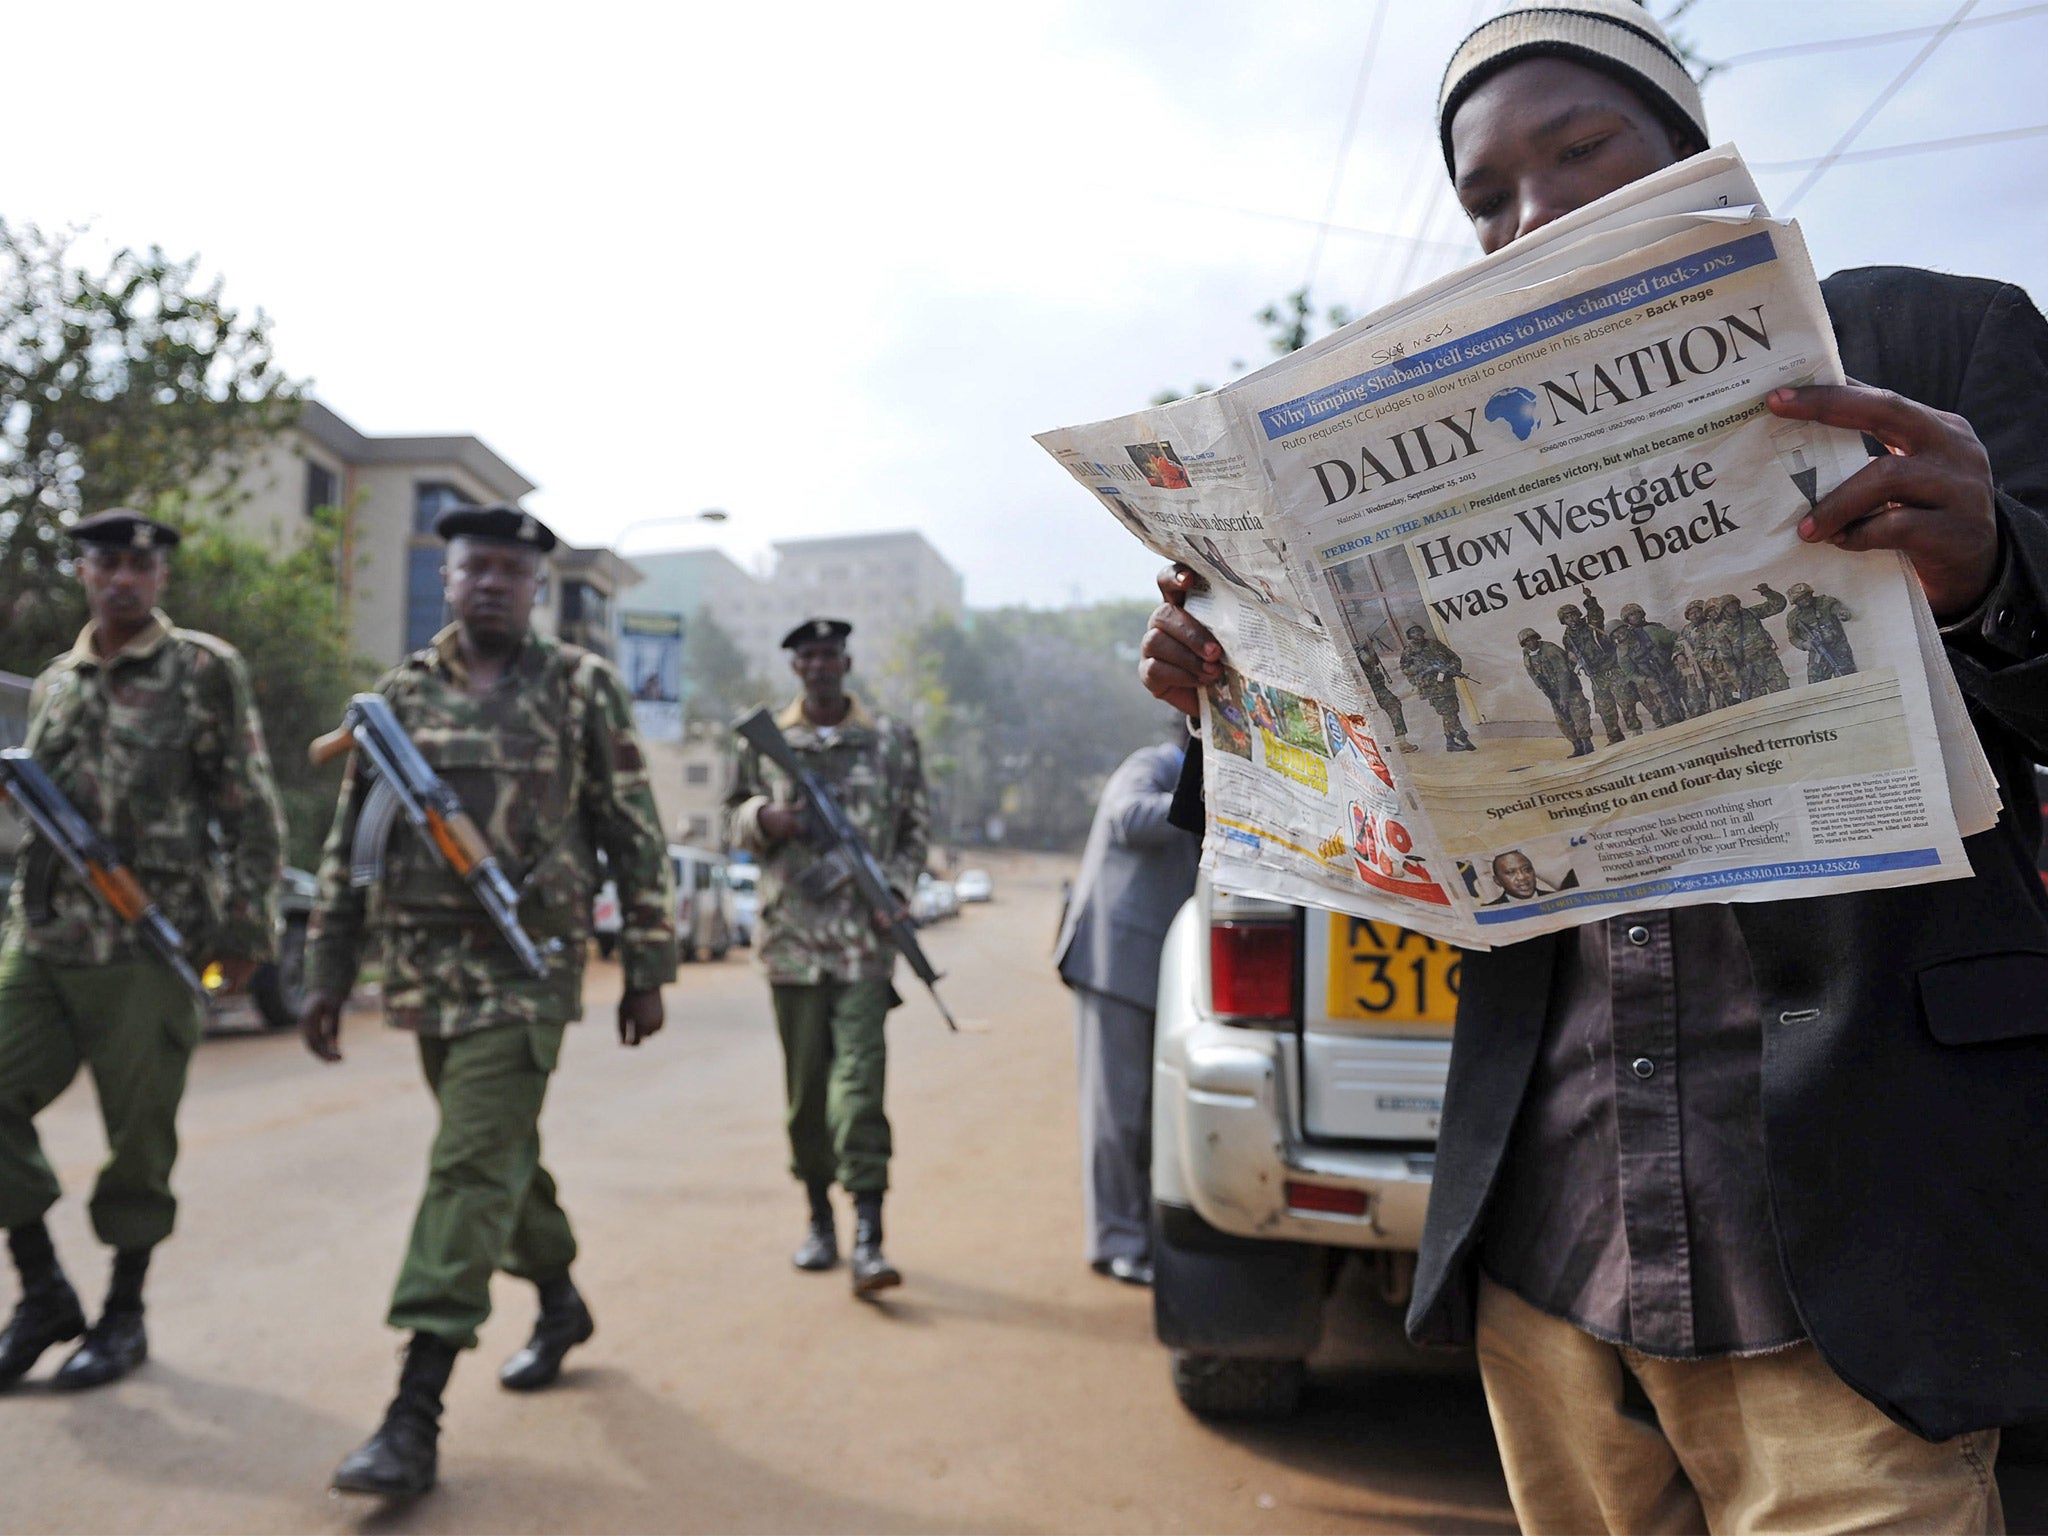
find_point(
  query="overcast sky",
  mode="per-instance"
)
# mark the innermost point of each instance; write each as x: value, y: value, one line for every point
x: 829, y: 267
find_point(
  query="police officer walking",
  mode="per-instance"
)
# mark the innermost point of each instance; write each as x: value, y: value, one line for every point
x: 150, y: 732
x: 829, y: 959
x: 536, y: 738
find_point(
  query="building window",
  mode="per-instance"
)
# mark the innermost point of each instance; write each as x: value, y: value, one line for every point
x: 698, y: 829
x: 430, y: 498
x: 323, y: 487
x: 696, y: 773
x: 426, y: 607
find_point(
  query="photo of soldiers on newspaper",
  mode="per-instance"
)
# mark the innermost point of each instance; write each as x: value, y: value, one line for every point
x: 1637, y: 674
x: 1160, y: 465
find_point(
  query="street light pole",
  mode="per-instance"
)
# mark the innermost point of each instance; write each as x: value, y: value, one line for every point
x: 708, y: 515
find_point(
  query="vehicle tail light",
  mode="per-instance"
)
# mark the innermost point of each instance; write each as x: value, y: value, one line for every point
x: 1328, y: 1199
x: 1251, y: 969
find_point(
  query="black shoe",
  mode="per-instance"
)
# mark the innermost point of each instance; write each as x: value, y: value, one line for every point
x: 564, y: 1322
x: 1127, y: 1269
x: 871, y: 1272
x: 113, y: 1346
x: 44, y: 1317
x: 1617, y: 738
x: 401, y: 1460
x: 820, y: 1247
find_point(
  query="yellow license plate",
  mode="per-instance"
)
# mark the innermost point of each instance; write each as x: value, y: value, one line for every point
x: 1387, y: 975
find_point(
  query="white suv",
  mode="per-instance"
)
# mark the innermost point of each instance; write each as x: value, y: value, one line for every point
x: 1298, y: 1078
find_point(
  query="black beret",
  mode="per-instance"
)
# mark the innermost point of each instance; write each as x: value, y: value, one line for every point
x: 122, y: 529
x: 501, y: 523
x: 811, y: 631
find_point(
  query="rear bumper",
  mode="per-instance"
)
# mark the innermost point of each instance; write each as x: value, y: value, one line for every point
x: 1227, y: 1138
x: 1228, y: 1103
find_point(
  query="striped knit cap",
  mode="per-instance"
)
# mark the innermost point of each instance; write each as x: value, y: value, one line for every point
x: 1616, y: 37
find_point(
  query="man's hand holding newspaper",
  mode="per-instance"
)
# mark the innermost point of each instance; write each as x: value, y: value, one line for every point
x: 1596, y: 512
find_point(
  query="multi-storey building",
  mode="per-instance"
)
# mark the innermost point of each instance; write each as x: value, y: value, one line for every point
x: 389, y: 490
x: 887, y: 585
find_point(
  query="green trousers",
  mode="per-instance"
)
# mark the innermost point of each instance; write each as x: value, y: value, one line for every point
x: 134, y: 1026
x: 489, y: 1205
x: 834, y: 1059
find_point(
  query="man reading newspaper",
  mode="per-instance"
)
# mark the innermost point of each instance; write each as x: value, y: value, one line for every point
x: 1799, y: 1205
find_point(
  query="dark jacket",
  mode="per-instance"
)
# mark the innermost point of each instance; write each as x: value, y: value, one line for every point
x: 1134, y: 877
x: 1905, y: 1072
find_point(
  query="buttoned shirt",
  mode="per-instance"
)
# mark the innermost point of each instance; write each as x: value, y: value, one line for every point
x: 1634, y: 1200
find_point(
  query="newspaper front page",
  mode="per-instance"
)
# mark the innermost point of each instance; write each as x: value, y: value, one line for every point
x: 1519, y: 629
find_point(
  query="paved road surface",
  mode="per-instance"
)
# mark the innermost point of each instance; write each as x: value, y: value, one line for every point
x: 1004, y: 1388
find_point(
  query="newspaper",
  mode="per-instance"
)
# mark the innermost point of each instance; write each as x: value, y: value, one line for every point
x: 1519, y: 630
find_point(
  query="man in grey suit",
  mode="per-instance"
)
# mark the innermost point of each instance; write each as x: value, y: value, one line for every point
x: 1135, y: 875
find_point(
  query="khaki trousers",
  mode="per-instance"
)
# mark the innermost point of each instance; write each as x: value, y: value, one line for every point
x: 1594, y: 1437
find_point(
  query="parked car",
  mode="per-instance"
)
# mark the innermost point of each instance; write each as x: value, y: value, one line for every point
x: 933, y: 899
x: 745, y: 880
x: 1298, y: 1079
x: 975, y: 885
x: 704, y: 905
x: 278, y: 988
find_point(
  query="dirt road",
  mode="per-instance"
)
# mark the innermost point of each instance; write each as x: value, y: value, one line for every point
x: 1003, y: 1388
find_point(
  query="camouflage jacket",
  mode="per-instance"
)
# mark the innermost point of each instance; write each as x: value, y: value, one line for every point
x: 870, y: 764
x: 548, y: 765
x: 1551, y: 670
x: 1644, y: 649
x: 160, y: 748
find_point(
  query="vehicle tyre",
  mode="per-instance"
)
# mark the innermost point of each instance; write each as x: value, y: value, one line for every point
x: 279, y: 988
x: 1220, y: 1387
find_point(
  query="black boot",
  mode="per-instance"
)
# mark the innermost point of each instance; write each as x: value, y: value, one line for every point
x: 871, y: 1272
x: 48, y: 1312
x: 116, y: 1344
x: 564, y: 1323
x: 820, y: 1247
x: 399, y: 1461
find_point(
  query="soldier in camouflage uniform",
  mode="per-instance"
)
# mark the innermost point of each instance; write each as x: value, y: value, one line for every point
x: 829, y: 960
x: 1434, y: 669
x: 1586, y: 641
x: 1552, y: 673
x: 1814, y: 625
x: 1645, y: 653
x: 1376, y: 678
x: 1702, y: 643
x: 1749, y: 645
x: 151, y: 734
x: 536, y: 738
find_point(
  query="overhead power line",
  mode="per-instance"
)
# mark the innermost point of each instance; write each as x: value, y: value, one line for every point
x: 1921, y: 147
x: 1912, y: 68
x: 1372, y: 48
x: 1870, y: 39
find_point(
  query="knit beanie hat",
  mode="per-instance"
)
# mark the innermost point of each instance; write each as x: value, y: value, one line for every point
x: 1616, y: 37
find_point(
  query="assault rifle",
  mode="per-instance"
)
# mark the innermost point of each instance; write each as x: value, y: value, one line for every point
x: 93, y: 859
x: 845, y: 854
x: 405, y: 782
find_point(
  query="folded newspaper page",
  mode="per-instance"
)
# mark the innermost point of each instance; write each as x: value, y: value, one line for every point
x: 1519, y: 630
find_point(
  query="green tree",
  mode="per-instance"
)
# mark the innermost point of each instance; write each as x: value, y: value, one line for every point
x: 1024, y: 712
x: 123, y: 386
